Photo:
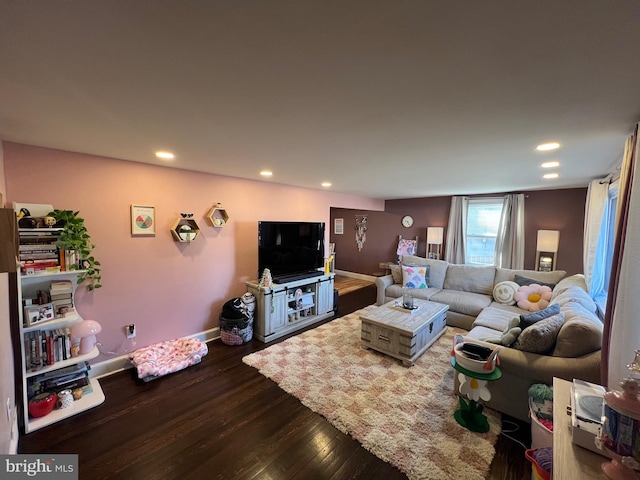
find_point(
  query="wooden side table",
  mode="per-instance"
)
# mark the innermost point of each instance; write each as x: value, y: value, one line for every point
x: 570, y: 461
x: 470, y: 413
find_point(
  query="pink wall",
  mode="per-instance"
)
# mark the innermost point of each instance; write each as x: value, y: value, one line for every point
x: 168, y: 289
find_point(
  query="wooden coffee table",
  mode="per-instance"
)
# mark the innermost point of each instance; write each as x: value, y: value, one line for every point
x: 402, y: 334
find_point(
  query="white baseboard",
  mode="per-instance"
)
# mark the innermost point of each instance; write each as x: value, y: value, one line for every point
x: 360, y: 276
x: 121, y: 362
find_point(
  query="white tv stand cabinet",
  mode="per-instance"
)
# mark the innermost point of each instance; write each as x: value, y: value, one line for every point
x: 277, y: 313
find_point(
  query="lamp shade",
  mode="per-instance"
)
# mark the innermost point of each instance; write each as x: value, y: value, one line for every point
x: 86, y: 332
x: 548, y: 240
x: 435, y: 235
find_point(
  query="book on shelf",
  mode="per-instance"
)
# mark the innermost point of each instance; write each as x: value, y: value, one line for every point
x: 37, y: 385
x: 39, y: 266
x: 47, y: 347
x: 61, y: 286
x: 60, y: 296
x: 70, y: 369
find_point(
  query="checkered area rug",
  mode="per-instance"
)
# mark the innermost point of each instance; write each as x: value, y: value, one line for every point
x: 402, y: 415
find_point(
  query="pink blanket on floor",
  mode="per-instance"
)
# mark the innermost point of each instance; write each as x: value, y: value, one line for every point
x: 168, y: 357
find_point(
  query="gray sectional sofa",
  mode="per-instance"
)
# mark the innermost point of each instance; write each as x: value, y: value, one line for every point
x: 573, y: 352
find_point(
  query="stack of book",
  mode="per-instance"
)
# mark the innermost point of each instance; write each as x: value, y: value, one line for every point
x: 61, y: 296
x: 46, y: 347
x: 67, y: 378
x: 37, y: 250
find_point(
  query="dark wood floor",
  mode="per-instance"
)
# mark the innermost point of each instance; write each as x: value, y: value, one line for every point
x: 221, y: 419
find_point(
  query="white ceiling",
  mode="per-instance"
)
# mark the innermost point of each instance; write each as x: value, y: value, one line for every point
x: 386, y: 99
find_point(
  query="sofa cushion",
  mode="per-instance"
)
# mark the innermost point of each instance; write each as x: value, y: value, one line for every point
x: 503, y: 292
x: 540, y: 337
x: 395, y: 291
x: 414, y: 276
x: 437, y: 269
x: 463, y: 302
x: 528, y: 319
x: 467, y: 278
x: 574, y: 294
x: 396, y: 273
x: 509, y: 308
x: 503, y: 274
x: 494, y: 318
x: 480, y: 332
x: 581, y: 333
x: 576, y: 280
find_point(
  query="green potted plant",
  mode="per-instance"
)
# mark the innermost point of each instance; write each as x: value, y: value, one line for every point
x: 75, y: 237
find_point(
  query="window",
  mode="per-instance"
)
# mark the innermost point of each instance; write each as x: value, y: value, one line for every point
x: 604, y: 256
x: 483, y: 221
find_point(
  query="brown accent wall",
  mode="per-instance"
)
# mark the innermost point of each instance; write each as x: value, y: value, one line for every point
x: 544, y: 210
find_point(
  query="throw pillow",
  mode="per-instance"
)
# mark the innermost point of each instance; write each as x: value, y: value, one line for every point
x: 533, y: 297
x: 529, y: 319
x: 396, y: 273
x: 503, y: 292
x: 524, y: 281
x: 540, y: 337
x: 414, y: 276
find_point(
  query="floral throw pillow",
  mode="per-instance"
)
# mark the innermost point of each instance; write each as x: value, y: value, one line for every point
x: 414, y: 276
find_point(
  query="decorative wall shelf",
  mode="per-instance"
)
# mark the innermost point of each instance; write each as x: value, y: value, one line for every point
x: 217, y: 216
x: 185, y: 230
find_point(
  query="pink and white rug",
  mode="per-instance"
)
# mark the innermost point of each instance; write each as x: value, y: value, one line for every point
x: 402, y: 415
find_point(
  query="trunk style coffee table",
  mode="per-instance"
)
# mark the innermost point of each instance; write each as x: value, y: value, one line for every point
x: 401, y: 333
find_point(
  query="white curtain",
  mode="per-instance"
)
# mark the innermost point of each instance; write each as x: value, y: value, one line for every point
x: 594, y: 219
x: 455, y: 249
x: 622, y: 329
x: 509, y: 251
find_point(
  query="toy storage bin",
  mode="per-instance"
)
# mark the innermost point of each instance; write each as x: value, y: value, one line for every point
x: 541, y: 436
x: 537, y: 472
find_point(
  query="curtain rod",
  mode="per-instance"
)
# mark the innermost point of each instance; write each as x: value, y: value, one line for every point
x: 612, y: 177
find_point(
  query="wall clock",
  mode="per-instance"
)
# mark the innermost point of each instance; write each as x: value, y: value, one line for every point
x: 407, y: 221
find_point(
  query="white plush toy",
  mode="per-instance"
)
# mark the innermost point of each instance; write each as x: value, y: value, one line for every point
x: 509, y: 335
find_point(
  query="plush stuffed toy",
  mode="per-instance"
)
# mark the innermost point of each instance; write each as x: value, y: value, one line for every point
x: 533, y: 297
x: 509, y: 335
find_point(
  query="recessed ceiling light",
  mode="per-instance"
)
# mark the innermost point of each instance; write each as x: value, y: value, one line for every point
x: 165, y: 155
x: 550, y: 175
x: 326, y: 184
x: 545, y: 147
x: 550, y: 164
x: 266, y: 173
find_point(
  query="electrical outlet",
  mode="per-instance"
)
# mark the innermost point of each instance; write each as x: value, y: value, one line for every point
x: 131, y: 330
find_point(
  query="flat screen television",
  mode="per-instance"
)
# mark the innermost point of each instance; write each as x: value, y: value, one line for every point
x: 290, y: 249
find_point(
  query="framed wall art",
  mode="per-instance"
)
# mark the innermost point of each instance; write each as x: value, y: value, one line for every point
x: 143, y: 220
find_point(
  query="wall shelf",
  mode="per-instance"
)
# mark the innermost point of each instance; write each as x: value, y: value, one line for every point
x: 217, y: 216
x: 185, y: 230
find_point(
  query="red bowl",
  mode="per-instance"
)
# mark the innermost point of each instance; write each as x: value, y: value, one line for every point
x: 42, y: 404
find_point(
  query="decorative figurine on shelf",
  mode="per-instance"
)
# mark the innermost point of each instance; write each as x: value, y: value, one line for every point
x: 266, y: 281
x: 49, y: 221
x: 620, y: 431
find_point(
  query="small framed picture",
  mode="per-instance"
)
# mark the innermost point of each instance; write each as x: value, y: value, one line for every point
x: 36, y: 314
x: 143, y: 220
x: 338, y: 226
